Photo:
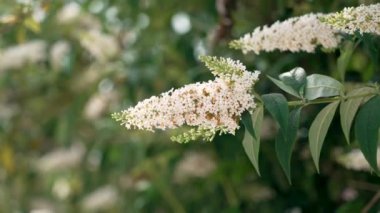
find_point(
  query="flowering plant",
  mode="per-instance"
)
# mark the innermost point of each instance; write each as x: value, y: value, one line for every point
x: 219, y: 105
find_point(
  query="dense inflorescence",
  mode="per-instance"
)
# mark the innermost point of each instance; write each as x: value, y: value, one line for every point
x: 362, y: 19
x: 304, y: 33
x: 211, y: 107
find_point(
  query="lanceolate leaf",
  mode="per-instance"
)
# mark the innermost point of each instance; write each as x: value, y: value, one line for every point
x: 349, y: 108
x: 321, y: 86
x: 251, y: 144
x: 285, y: 87
x: 285, y: 141
x: 247, y: 121
x: 318, y: 130
x: 277, y: 106
x: 367, y: 125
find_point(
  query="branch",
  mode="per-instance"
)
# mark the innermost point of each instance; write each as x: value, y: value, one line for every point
x: 371, y: 203
x: 328, y: 100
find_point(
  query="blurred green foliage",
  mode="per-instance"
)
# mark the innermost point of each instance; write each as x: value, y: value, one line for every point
x: 60, y: 151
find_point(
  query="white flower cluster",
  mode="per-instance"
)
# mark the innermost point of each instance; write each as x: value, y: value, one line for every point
x: 59, y: 54
x: 103, y: 198
x: 17, y: 56
x: 69, y: 13
x: 87, y: 29
x: 212, y: 105
x: 61, y: 159
x: 365, y: 19
x: 194, y: 165
x: 355, y: 160
x: 223, y: 67
x: 100, y: 45
x: 304, y: 33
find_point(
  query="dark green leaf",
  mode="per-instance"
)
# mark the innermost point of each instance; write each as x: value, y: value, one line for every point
x: 349, y: 108
x: 277, y: 106
x: 284, y: 87
x: 318, y: 130
x: 321, y: 86
x: 251, y: 144
x: 367, y: 125
x: 247, y: 121
x: 285, y: 141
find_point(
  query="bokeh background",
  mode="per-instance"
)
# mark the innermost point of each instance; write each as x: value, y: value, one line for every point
x: 65, y: 66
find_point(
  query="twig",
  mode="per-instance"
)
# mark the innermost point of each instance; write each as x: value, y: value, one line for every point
x: 371, y: 203
x: 328, y: 100
x: 364, y: 186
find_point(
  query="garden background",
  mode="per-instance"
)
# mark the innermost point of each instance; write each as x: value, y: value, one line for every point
x: 65, y: 66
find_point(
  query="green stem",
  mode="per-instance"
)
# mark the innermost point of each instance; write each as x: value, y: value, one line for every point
x: 328, y: 100
x: 346, y: 52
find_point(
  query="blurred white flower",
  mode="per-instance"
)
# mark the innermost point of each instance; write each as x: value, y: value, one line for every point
x: 304, y: 33
x: 61, y: 159
x: 15, y: 57
x: 355, y: 160
x: 98, y: 104
x: 100, y: 45
x: 143, y: 21
x: 101, y: 199
x: 58, y: 53
x: 142, y: 185
x: 61, y: 188
x: 257, y: 192
x: 96, y: 6
x: 95, y: 106
x: 41, y: 211
x: 26, y: 2
x: 194, y: 165
x: 133, y: 182
x: 69, y: 13
x: 39, y: 14
x: 181, y: 23
x: 7, y: 111
x: 41, y: 205
x: 111, y: 14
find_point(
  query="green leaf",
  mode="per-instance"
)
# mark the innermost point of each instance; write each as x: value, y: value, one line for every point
x: 349, y: 108
x: 295, y: 78
x: 367, y: 125
x: 285, y: 141
x: 251, y: 144
x: 277, y: 106
x: 284, y: 87
x: 321, y: 86
x: 318, y: 130
x: 247, y: 121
